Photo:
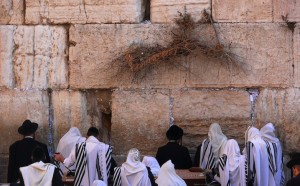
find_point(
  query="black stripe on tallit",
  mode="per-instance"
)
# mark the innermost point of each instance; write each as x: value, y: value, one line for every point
x: 117, y: 177
x: 80, y: 163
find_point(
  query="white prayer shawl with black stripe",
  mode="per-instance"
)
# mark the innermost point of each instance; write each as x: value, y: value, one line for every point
x: 274, y: 154
x: 217, y: 140
x: 257, y: 157
x: 98, y: 157
x: 232, y: 165
x: 206, y: 156
x: 151, y: 162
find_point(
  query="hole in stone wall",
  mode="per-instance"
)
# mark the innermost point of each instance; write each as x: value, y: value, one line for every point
x: 147, y: 10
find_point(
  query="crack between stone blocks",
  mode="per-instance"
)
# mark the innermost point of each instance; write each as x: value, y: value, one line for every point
x: 86, y: 17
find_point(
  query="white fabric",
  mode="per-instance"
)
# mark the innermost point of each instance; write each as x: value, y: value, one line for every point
x: 152, y: 163
x: 217, y: 139
x: 268, y: 133
x: 206, y: 160
x: 67, y: 143
x: 38, y: 174
x: 93, y: 147
x: 167, y: 176
x: 99, y: 183
x: 133, y: 171
x: 260, y: 157
x: 234, y: 170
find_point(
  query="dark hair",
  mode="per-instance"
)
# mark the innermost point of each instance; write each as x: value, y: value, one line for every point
x: 38, y: 154
x: 174, y: 133
x: 93, y: 131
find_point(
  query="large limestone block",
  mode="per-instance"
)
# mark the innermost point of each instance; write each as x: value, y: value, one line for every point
x: 81, y: 109
x: 89, y: 11
x: 289, y: 8
x: 165, y: 11
x: 17, y: 106
x: 242, y: 10
x: 296, y: 56
x: 140, y: 120
x: 263, y: 53
x: 281, y: 107
x: 38, y: 55
x: 196, y: 110
x: 6, y: 54
x: 96, y: 46
x: 11, y: 11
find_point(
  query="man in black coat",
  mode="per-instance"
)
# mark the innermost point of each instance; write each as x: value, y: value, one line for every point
x: 20, y: 152
x: 294, y: 164
x: 178, y: 154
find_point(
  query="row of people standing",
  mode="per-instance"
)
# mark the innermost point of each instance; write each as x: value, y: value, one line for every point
x: 260, y: 164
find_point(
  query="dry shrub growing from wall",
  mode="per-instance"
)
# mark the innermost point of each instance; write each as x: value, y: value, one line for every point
x: 140, y: 59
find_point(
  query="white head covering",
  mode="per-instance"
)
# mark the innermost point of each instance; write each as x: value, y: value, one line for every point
x: 68, y: 142
x: 152, y: 163
x: 260, y: 156
x: 133, y: 171
x: 99, y: 183
x: 268, y: 133
x: 167, y: 176
x: 217, y: 139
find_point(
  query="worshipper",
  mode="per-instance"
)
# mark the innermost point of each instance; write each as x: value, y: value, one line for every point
x: 67, y: 143
x: 133, y: 172
x: 20, y: 152
x: 92, y: 158
x: 276, y: 172
x: 257, y: 159
x: 294, y: 165
x: 152, y: 163
x: 232, y: 165
x: 40, y: 173
x: 178, y: 154
x: 167, y: 176
x: 217, y: 140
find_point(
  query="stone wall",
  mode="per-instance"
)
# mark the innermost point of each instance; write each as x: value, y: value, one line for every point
x: 55, y: 65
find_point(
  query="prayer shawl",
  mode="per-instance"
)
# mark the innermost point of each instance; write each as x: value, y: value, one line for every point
x: 217, y: 139
x: 274, y: 154
x: 152, y: 163
x: 98, y: 183
x: 206, y: 156
x: 167, y: 176
x: 232, y: 165
x: 132, y: 172
x: 67, y: 143
x: 257, y: 158
x: 38, y: 174
x: 98, y: 156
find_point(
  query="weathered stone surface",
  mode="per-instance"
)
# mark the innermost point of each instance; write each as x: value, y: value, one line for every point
x: 196, y: 110
x: 34, y: 56
x: 17, y: 106
x: 242, y: 11
x: 140, y: 117
x: 263, y: 53
x: 281, y: 107
x: 165, y: 11
x: 6, y: 53
x: 79, y: 109
x: 90, y: 11
x: 289, y: 8
x: 296, y: 42
x: 3, y: 167
x: 11, y: 11
x: 99, y: 45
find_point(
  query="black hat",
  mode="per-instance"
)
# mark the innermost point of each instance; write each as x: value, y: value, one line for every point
x: 27, y: 127
x: 294, y: 161
x: 174, y: 132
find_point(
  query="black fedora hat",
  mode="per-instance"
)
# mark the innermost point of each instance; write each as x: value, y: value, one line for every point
x: 174, y: 132
x: 294, y: 161
x: 27, y: 127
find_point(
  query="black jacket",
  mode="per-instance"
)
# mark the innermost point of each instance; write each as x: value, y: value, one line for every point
x: 179, y: 155
x: 294, y: 181
x: 20, y: 156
